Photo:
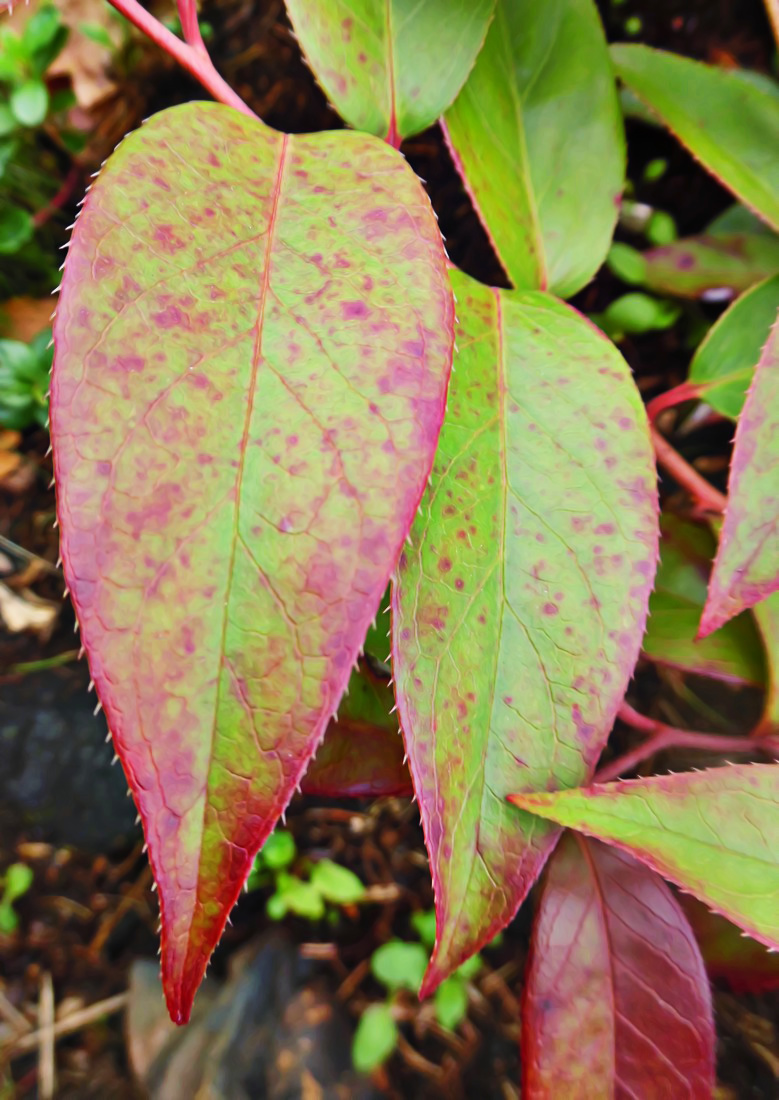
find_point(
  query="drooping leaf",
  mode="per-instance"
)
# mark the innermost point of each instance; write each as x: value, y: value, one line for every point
x: 519, y: 609
x: 724, y: 363
x: 391, y: 67
x: 362, y: 753
x: 730, y: 125
x: 714, y: 833
x: 616, y: 1001
x: 734, y: 653
x: 766, y: 614
x: 746, y: 568
x: 728, y: 954
x: 536, y: 134
x: 252, y: 350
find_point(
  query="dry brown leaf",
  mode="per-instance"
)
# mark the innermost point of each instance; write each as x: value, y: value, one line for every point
x: 25, y: 611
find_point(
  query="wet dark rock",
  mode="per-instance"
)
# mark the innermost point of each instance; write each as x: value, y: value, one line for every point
x: 56, y: 780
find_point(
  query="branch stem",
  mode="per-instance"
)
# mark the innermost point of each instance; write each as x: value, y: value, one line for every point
x: 191, y: 57
x: 703, y: 493
x: 687, y: 391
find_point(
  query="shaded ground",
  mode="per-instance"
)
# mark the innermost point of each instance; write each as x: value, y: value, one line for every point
x: 91, y: 912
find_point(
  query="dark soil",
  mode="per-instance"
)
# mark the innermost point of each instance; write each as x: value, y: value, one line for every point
x: 90, y: 913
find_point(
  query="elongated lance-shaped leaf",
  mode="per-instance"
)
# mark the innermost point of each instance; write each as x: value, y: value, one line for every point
x: 710, y: 267
x: 734, y: 653
x: 536, y: 134
x: 728, y: 954
x: 362, y: 754
x: 746, y: 568
x: 252, y: 349
x: 724, y: 363
x: 616, y: 1001
x: 766, y: 614
x: 714, y: 833
x: 519, y: 609
x: 391, y: 67
x: 730, y: 125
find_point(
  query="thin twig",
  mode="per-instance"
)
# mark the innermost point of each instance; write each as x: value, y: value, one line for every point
x: 46, y: 1073
x: 74, y: 1021
x: 66, y: 190
x: 662, y: 737
x: 687, y: 391
x: 195, y: 61
x: 703, y: 493
x: 190, y: 25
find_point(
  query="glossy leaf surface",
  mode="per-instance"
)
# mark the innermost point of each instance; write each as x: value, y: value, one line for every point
x: 362, y: 753
x: 252, y: 350
x: 711, y: 266
x: 616, y: 1001
x: 724, y: 363
x: 520, y: 606
x: 746, y: 568
x: 766, y: 614
x: 730, y: 125
x: 536, y: 134
x: 729, y: 955
x: 713, y: 833
x: 734, y: 653
x: 391, y: 67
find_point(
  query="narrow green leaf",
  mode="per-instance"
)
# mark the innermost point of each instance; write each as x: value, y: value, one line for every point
x: 520, y: 606
x: 375, y: 1038
x: 711, y: 266
x: 729, y: 124
x: 391, y: 67
x: 536, y: 134
x: 714, y: 833
x: 724, y: 363
x: 734, y: 652
x: 746, y: 568
x: 253, y: 343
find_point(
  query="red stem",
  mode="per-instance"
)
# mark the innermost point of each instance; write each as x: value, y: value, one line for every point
x: 687, y: 391
x: 68, y: 186
x: 194, y: 59
x: 190, y: 26
x: 662, y: 736
x: 705, y: 495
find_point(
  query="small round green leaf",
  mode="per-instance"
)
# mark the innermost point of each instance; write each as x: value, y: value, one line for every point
x: 30, y: 102
x: 279, y: 850
x: 300, y: 898
x: 399, y: 965
x: 336, y: 884
x: 375, y: 1038
x: 16, y: 229
x: 451, y: 1002
x: 423, y: 924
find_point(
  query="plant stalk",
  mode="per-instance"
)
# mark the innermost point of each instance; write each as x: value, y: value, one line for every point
x: 704, y: 494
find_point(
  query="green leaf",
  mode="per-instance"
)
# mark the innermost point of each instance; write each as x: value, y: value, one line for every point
x: 766, y: 614
x: 399, y: 965
x: 470, y: 968
x: 253, y: 344
x: 301, y: 898
x: 520, y: 606
x: 18, y: 879
x: 7, y: 121
x: 30, y: 103
x: 729, y: 125
x: 733, y: 653
x: 536, y: 134
x: 423, y: 923
x: 451, y: 1002
x: 278, y: 851
x: 375, y: 1038
x: 276, y: 906
x: 391, y: 66
x: 16, y: 229
x: 746, y: 568
x: 724, y: 364
x: 336, y: 884
x: 713, y: 833
x: 636, y: 313
x: 711, y: 266
x: 41, y: 28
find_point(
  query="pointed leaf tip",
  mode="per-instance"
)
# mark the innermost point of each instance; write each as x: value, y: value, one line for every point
x: 252, y: 353
x: 712, y: 832
x: 518, y: 613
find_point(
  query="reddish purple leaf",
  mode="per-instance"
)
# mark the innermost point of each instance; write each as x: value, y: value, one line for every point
x: 729, y: 953
x: 746, y: 568
x: 252, y: 351
x: 362, y: 755
x: 616, y: 1001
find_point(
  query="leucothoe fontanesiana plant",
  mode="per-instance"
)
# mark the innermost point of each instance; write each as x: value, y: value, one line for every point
x: 272, y: 395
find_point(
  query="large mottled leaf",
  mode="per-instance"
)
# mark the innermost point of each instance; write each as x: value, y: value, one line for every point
x: 730, y: 125
x: 252, y: 350
x: 710, y: 266
x: 746, y: 568
x: 733, y: 653
x: 362, y: 755
x: 616, y: 1001
x: 391, y: 67
x: 519, y: 609
x: 766, y: 614
x: 714, y: 833
x: 729, y: 955
x: 724, y: 363
x: 536, y: 134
